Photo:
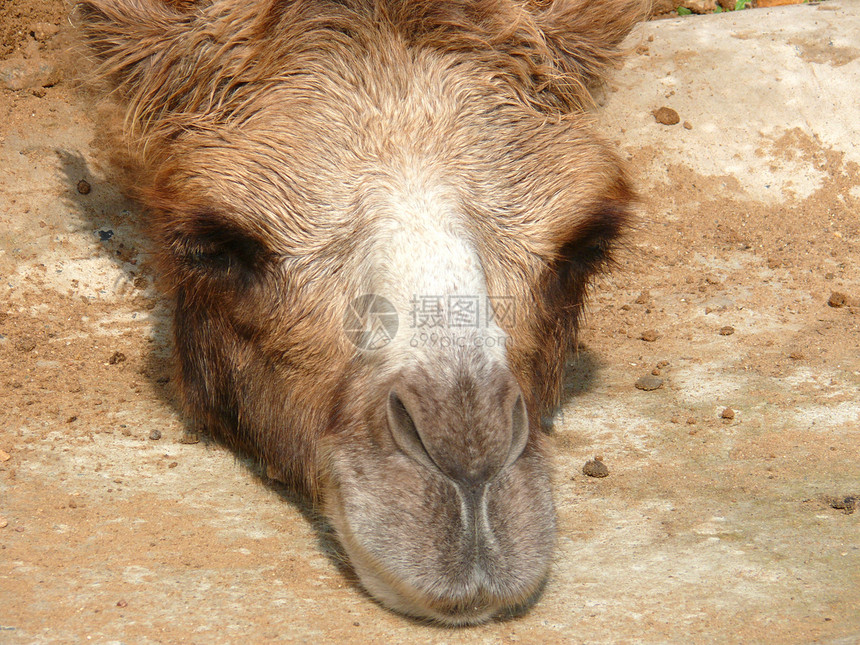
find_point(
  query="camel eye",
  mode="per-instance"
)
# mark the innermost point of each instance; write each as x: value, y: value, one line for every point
x: 589, y: 248
x: 581, y: 258
x: 219, y: 249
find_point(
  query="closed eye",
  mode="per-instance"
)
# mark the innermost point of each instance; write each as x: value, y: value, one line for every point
x: 215, y: 248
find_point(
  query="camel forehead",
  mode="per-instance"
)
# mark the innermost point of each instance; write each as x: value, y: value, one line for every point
x: 327, y: 154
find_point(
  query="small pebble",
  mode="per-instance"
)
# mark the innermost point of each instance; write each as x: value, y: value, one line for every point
x: 688, y: 125
x: 727, y: 413
x: 666, y: 116
x: 3, y: 522
x: 72, y: 419
x: 846, y: 504
x: 649, y: 335
x: 118, y: 357
x: 727, y: 331
x: 155, y: 435
x: 73, y: 503
x: 172, y: 464
x: 595, y: 468
x: 4, y: 456
x: 837, y: 299
x: 649, y: 383
x: 84, y: 187
x: 691, y: 421
x: 121, y: 603
x: 796, y: 356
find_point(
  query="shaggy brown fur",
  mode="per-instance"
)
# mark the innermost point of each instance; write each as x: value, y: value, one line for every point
x: 269, y: 134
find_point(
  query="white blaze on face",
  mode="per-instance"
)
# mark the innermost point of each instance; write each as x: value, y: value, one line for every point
x: 427, y: 266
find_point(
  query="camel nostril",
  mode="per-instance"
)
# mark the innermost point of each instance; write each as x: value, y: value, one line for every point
x: 469, y: 429
x: 404, y: 431
x: 519, y: 429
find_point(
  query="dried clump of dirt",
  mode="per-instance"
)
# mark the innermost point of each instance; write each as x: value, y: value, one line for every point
x: 838, y: 299
x: 847, y: 504
x: 595, y: 468
x: 666, y: 116
x: 648, y: 383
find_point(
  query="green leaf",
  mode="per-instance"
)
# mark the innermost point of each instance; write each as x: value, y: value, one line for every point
x: 741, y: 4
x: 683, y: 11
x: 719, y: 9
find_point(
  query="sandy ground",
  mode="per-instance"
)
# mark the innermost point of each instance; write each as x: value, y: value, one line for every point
x: 117, y: 527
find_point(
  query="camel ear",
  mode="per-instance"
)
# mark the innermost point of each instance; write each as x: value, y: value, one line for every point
x: 548, y: 51
x: 147, y: 50
x: 584, y: 39
x: 125, y: 35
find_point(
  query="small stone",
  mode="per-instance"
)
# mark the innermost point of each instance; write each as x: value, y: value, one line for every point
x: 691, y: 421
x: 727, y: 331
x: 84, y: 187
x: 5, y: 456
x: 688, y: 125
x: 656, y: 372
x: 3, y: 522
x: 121, y: 603
x: 25, y: 345
x: 846, y: 504
x: 172, y: 464
x: 73, y: 503
x: 155, y: 435
x: 649, y: 335
x: 595, y: 468
x: 662, y: 364
x: 19, y: 73
x: 727, y: 413
x: 649, y: 383
x: 666, y: 116
x: 796, y: 356
x: 72, y: 419
x: 700, y: 6
x: 118, y: 357
x: 837, y: 299
x: 642, y: 298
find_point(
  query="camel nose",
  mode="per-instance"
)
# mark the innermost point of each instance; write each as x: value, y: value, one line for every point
x: 469, y: 427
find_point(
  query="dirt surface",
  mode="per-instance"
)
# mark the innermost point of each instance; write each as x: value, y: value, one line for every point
x: 118, y: 525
